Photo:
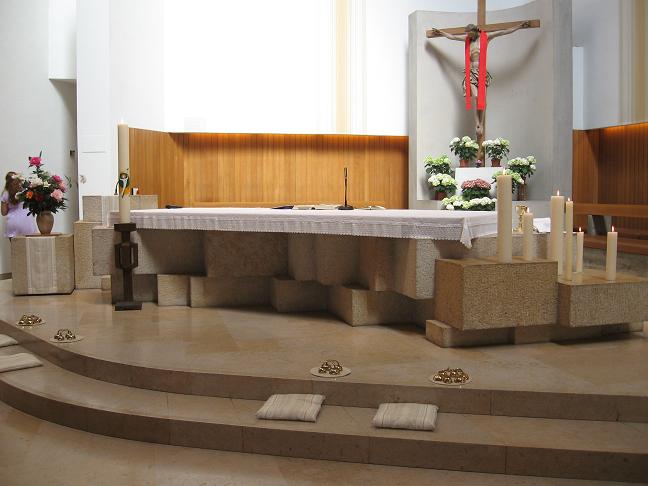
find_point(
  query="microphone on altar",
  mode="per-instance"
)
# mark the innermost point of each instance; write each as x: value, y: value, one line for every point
x: 346, y: 206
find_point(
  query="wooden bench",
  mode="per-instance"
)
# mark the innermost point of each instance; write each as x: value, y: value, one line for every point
x: 630, y: 240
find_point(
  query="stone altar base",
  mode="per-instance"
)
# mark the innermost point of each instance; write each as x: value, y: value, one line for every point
x: 42, y: 264
x: 476, y: 306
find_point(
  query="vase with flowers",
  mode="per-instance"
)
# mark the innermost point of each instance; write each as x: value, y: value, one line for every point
x: 42, y: 194
x: 496, y: 149
x: 475, y: 189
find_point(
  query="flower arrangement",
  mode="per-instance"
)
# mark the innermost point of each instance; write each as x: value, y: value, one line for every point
x: 443, y: 183
x: 438, y: 165
x: 42, y: 191
x: 475, y: 189
x: 497, y: 149
x: 465, y: 148
x: 475, y: 204
x: 524, y: 166
x: 517, y: 178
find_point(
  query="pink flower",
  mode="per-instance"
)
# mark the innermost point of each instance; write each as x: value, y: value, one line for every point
x: 57, y: 194
x: 57, y: 178
x: 61, y: 186
x: 35, y: 162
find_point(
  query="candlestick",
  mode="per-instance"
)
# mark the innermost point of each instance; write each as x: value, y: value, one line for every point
x: 123, y: 163
x: 569, y: 239
x: 504, y: 218
x: 611, y: 257
x: 579, y: 250
x: 527, y: 236
x: 557, y: 228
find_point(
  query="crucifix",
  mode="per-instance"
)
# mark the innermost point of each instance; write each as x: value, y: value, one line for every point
x: 476, y: 76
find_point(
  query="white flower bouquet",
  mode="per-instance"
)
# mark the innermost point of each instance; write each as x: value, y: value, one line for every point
x: 524, y: 166
x: 497, y: 149
x: 517, y: 178
x: 438, y: 165
x: 456, y: 203
x: 443, y: 183
x: 465, y: 148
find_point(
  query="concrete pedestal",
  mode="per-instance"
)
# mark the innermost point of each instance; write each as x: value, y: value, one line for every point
x: 42, y: 264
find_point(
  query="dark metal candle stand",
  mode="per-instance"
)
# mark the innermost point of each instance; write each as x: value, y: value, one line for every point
x: 126, y: 260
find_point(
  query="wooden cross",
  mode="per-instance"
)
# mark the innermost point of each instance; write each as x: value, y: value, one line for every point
x: 483, y: 26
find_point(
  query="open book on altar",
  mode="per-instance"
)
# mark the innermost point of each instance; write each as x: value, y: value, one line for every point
x: 328, y: 206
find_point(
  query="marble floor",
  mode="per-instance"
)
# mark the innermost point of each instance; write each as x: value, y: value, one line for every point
x: 34, y: 453
x: 262, y: 342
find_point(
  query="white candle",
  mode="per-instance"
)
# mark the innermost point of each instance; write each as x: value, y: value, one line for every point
x: 579, y: 250
x: 569, y: 239
x: 527, y: 236
x: 123, y: 163
x: 557, y: 228
x: 504, y: 218
x: 611, y: 257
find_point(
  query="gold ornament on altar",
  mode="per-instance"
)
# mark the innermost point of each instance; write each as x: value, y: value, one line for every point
x: 520, y: 209
x: 64, y: 335
x: 29, y: 320
x: 330, y: 367
x: 451, y: 376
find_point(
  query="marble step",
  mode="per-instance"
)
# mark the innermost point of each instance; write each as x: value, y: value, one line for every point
x: 480, y: 443
x: 469, y: 399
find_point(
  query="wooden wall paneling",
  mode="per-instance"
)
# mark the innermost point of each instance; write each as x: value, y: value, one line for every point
x: 202, y: 169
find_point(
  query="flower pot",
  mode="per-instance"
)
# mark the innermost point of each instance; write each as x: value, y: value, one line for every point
x: 439, y: 195
x: 495, y: 163
x: 522, y: 192
x: 463, y: 163
x: 45, y: 222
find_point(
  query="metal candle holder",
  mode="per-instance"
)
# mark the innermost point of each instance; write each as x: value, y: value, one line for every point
x: 126, y: 260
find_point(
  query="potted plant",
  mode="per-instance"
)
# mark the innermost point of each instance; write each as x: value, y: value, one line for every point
x: 517, y: 178
x: 465, y: 148
x: 457, y: 203
x: 443, y: 184
x: 496, y: 149
x: 438, y: 165
x: 475, y: 188
x: 43, y: 194
x: 525, y: 167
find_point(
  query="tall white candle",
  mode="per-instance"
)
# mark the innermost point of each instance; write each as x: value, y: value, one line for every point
x: 557, y: 228
x: 504, y: 218
x: 579, y: 250
x: 123, y: 163
x: 611, y: 257
x: 527, y: 236
x: 569, y: 239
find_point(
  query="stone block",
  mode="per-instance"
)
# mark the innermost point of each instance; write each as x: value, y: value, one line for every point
x: 84, y: 277
x: 446, y: 336
x: 229, y: 292
x: 376, y: 262
x: 288, y: 295
x: 423, y: 311
x: 144, y: 287
x: 245, y: 254
x: 98, y: 208
x: 105, y: 282
x: 361, y: 307
x: 42, y: 264
x: 172, y: 289
x: 301, y: 256
x: 159, y: 251
x: 484, y: 294
x: 336, y: 259
x: 413, y: 267
x: 590, y: 300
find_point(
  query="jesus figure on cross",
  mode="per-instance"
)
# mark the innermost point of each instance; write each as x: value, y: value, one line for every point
x: 473, y: 39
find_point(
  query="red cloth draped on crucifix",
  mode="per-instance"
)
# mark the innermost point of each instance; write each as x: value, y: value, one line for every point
x: 481, y: 85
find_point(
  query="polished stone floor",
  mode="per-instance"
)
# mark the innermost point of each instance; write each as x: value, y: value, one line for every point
x: 263, y: 342
x: 38, y: 453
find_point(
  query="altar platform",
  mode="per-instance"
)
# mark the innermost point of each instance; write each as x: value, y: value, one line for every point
x: 195, y: 377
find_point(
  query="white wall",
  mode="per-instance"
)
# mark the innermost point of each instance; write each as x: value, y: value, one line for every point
x: 597, y: 28
x: 248, y: 66
x: 62, y: 39
x: 35, y: 113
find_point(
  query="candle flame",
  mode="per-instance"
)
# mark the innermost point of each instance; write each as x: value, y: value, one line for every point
x: 569, y: 199
x: 558, y: 193
x: 612, y: 228
x: 580, y: 230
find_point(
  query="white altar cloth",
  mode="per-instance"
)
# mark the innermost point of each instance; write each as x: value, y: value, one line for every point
x: 460, y: 226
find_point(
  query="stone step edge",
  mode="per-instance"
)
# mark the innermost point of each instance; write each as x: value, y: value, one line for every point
x: 514, y: 403
x: 335, y: 446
